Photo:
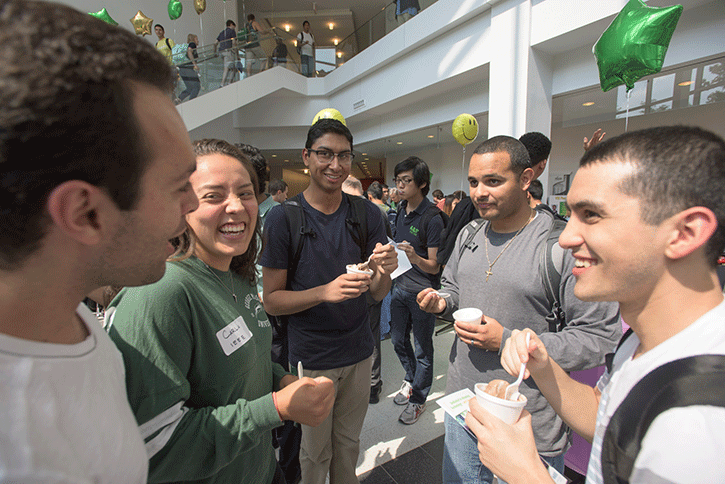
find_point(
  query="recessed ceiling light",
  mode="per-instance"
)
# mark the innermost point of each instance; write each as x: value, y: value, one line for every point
x: 335, y: 41
x: 274, y: 156
x: 588, y: 103
x: 431, y: 136
x: 399, y: 143
x: 306, y: 171
x: 339, y: 55
x: 331, y: 25
x: 287, y: 27
x: 287, y: 161
x: 684, y: 83
x: 364, y: 154
x: 367, y: 159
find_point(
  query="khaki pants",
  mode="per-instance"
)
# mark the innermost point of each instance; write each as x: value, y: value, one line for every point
x: 334, y: 445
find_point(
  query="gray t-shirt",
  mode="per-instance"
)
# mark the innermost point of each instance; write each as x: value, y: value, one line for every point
x: 514, y: 296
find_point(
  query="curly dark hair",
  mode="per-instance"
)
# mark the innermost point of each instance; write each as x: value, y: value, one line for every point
x: 538, y: 145
x: 66, y: 114
x: 241, y: 264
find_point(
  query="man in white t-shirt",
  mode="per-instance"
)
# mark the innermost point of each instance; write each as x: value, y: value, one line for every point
x: 645, y: 232
x: 94, y: 181
x: 306, y: 44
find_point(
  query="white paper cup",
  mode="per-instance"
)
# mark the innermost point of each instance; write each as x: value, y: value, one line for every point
x: 506, y: 410
x: 468, y: 315
x: 352, y: 269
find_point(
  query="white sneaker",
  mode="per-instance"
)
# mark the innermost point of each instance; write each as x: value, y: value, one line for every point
x: 406, y: 390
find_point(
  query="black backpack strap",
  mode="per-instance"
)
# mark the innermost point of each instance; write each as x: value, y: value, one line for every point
x: 425, y: 219
x: 295, y: 216
x: 609, y: 357
x: 358, y: 223
x: 551, y: 263
x: 697, y: 380
x: 469, y: 232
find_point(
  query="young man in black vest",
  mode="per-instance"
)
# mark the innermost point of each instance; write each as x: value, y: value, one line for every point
x: 420, y: 242
x: 646, y: 231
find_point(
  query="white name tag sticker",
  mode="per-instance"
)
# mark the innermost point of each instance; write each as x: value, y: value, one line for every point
x: 233, y: 336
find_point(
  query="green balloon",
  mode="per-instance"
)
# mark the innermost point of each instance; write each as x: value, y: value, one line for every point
x: 175, y: 8
x: 102, y: 14
x: 635, y: 44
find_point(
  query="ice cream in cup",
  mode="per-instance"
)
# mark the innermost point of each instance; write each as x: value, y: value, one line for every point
x: 357, y: 269
x: 468, y: 315
x: 490, y: 396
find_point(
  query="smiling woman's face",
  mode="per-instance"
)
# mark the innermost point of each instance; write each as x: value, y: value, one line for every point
x: 225, y: 220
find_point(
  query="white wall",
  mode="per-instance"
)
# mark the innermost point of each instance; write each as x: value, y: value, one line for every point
x: 446, y: 163
x: 212, y: 20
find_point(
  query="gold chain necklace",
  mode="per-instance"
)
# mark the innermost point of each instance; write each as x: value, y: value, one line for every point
x: 490, y: 264
x: 231, y: 279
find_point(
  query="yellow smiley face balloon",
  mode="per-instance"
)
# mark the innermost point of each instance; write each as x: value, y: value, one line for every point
x: 329, y: 113
x: 465, y: 129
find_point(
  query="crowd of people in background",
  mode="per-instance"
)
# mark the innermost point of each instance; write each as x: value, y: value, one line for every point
x: 227, y: 45
x: 228, y: 329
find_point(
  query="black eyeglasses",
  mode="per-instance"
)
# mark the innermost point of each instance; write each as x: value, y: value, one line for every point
x: 326, y: 156
x: 404, y: 181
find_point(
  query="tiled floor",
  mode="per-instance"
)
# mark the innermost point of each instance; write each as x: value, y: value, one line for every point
x: 418, y: 448
x: 395, y: 453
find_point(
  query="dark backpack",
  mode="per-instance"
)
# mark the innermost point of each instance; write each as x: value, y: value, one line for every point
x: 425, y: 219
x: 696, y: 380
x: 295, y: 215
x: 551, y: 262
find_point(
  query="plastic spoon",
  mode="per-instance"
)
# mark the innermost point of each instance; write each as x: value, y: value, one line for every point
x: 365, y: 265
x: 512, y: 391
x: 441, y: 294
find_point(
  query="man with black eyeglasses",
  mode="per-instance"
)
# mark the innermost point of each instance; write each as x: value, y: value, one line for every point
x: 328, y: 327
x: 417, y: 230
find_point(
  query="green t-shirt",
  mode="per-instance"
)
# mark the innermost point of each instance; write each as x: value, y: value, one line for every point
x: 199, y: 374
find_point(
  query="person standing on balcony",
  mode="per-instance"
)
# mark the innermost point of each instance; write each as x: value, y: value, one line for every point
x: 405, y: 10
x: 225, y: 42
x: 306, y: 44
x: 279, y: 54
x: 253, y: 51
x: 189, y: 71
x: 164, y: 45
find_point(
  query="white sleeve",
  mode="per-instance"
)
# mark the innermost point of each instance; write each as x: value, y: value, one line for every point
x: 683, y: 445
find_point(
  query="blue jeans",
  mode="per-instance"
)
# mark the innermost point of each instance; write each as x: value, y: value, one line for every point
x: 460, y: 457
x: 405, y: 315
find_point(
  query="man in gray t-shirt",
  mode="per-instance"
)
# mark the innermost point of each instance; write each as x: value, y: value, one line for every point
x: 498, y: 272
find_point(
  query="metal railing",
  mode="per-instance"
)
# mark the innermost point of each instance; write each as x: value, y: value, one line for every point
x: 249, y: 55
x: 255, y: 52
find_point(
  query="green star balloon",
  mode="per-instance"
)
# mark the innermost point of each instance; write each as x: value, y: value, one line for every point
x: 102, y: 14
x: 635, y: 43
x: 175, y: 8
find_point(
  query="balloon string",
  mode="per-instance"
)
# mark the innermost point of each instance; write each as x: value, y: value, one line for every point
x: 626, y: 117
x: 463, y: 167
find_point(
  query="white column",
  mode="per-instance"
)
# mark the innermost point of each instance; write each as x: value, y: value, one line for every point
x: 520, y: 76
